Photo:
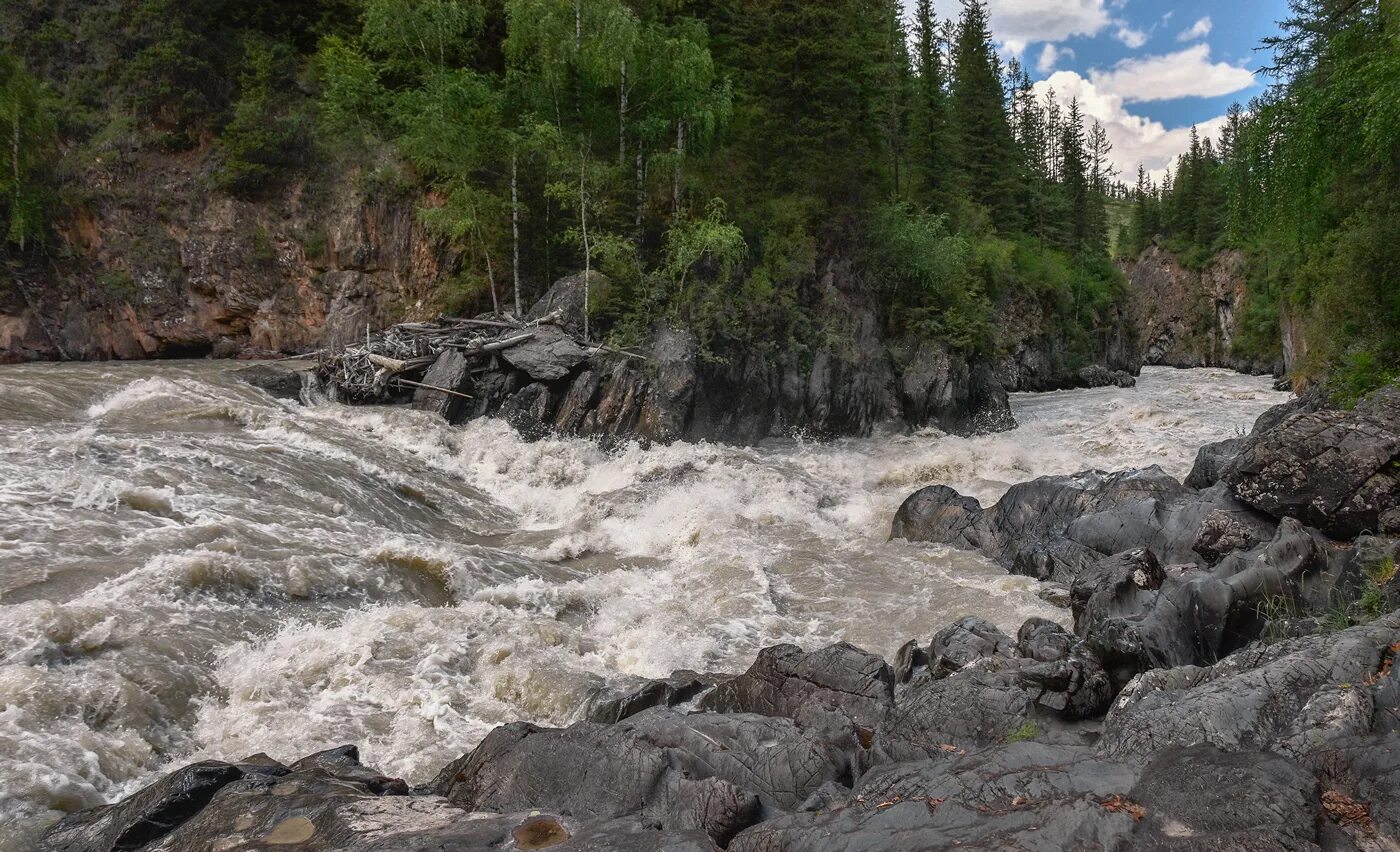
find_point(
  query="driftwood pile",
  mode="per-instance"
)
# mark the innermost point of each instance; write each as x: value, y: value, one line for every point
x: 397, y: 358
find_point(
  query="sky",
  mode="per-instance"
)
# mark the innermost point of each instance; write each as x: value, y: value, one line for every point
x: 1145, y: 69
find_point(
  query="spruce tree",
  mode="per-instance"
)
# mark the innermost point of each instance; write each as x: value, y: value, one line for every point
x: 978, y: 110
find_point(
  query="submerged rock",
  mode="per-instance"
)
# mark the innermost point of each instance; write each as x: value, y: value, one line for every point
x: 279, y: 381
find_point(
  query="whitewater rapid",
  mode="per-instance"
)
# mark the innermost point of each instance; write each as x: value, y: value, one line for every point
x: 191, y: 569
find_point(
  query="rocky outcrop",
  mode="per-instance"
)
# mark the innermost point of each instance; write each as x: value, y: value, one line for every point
x: 163, y: 268
x: 1190, y: 318
x: 1040, y: 358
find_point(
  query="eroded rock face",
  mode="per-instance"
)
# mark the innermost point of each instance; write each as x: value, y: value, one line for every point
x: 1338, y: 471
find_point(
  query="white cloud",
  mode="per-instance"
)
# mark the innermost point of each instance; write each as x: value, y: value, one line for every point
x: 1135, y: 139
x: 1129, y: 36
x: 1018, y: 23
x: 1186, y: 73
x: 1050, y: 57
x: 1200, y: 29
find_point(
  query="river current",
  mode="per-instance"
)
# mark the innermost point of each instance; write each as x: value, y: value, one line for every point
x: 190, y: 569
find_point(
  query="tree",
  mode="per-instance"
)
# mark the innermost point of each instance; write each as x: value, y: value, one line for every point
x: 932, y: 144
x: 985, y: 160
x: 28, y: 126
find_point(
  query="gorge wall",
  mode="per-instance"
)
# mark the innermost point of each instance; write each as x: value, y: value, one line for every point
x: 1190, y: 318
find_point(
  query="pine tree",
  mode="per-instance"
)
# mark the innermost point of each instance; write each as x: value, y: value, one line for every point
x: 985, y: 150
x: 1074, y: 177
x: 932, y: 143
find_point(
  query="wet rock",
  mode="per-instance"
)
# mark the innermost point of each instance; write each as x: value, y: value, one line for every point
x: 1121, y: 586
x: 1223, y: 532
x: 1201, y: 798
x: 548, y: 356
x: 1043, y: 640
x: 343, y: 763
x: 451, y: 372
x: 958, y: 645
x: 279, y: 381
x: 989, y: 701
x: 1252, y: 700
x: 909, y: 659
x: 1055, y: 596
x: 1099, y: 376
x: 1211, y: 461
x: 1361, y: 780
x: 938, y: 514
x: 528, y: 411
x: 707, y: 771
x: 151, y: 813
x: 1024, y: 796
x: 840, y: 685
x: 1060, y: 560
x: 615, y: 703
x: 1338, y: 471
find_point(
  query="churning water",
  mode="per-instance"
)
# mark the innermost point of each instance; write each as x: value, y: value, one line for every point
x: 191, y: 569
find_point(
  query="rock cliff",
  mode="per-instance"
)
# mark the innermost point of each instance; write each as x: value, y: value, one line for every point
x: 1190, y: 318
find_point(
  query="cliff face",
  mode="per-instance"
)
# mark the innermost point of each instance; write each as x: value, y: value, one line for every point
x: 159, y: 267
x: 1188, y: 318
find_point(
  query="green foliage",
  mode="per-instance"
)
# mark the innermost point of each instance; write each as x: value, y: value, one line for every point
x: 28, y: 129
x: 267, y: 134
x: 1025, y: 733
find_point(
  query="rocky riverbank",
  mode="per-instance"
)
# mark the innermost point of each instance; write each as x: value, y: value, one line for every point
x: 1236, y: 634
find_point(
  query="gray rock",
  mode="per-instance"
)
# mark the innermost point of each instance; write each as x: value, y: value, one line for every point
x: 1200, y: 798
x: 549, y: 356
x: 1044, y: 641
x: 343, y: 763
x: 1390, y: 522
x: 1338, y: 471
x: 565, y: 297
x: 451, y: 372
x: 840, y: 686
x: 1211, y: 461
x: 151, y: 813
x: 615, y: 703
x: 1252, y: 700
x: 1024, y: 796
x: 707, y: 771
x: 958, y: 645
x: 279, y: 381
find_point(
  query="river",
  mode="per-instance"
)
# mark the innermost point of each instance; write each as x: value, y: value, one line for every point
x: 191, y: 569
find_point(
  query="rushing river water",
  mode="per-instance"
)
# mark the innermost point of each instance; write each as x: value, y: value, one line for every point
x: 191, y: 569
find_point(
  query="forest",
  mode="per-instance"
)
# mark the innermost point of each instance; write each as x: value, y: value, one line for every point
x: 1306, y: 180
x: 710, y: 157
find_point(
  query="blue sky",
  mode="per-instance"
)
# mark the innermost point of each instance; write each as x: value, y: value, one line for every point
x: 1146, y: 69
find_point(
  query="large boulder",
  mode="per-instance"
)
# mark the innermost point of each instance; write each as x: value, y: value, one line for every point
x: 549, y: 355
x: 959, y: 645
x: 450, y: 372
x: 278, y: 381
x: 706, y: 771
x: 1211, y: 462
x: 841, y: 686
x: 1289, y: 697
x: 1024, y: 796
x: 1338, y: 471
x: 619, y: 701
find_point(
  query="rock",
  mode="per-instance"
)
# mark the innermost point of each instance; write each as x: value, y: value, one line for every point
x: 940, y: 387
x: 565, y: 297
x: 1338, y: 471
x: 958, y: 645
x: 1390, y: 522
x: 548, y: 356
x: 1201, y: 798
x: 452, y: 372
x: 1223, y: 532
x: 910, y: 658
x: 343, y: 763
x: 990, y: 700
x: 1024, y: 796
x: 1055, y: 596
x: 152, y: 812
x: 1118, y: 587
x: 840, y: 685
x: 281, y: 382
x: 702, y: 771
x: 615, y: 703
x: 1099, y: 376
x: 938, y: 514
x: 1044, y: 641
x: 1060, y: 560
x: 1252, y: 700
x: 1211, y: 461
x: 528, y: 411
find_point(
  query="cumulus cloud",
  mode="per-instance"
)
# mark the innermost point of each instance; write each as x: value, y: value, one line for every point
x: 1200, y: 29
x: 1133, y: 38
x: 1050, y: 57
x: 1018, y: 23
x: 1135, y: 139
x: 1184, y: 74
